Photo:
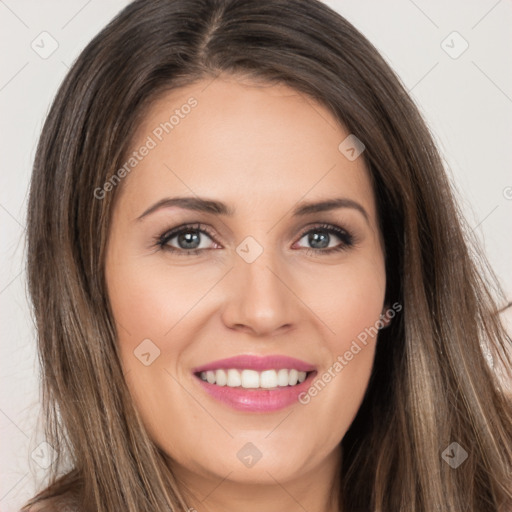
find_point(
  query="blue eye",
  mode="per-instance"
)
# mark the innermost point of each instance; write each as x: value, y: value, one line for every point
x: 320, y: 238
x: 190, y: 239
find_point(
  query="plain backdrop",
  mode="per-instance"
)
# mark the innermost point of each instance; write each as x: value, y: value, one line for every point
x: 453, y: 56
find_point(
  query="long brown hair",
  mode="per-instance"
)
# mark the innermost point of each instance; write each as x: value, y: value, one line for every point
x: 431, y: 384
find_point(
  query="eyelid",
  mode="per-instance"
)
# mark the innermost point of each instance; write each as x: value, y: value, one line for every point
x: 347, y: 238
x: 325, y: 226
x: 195, y: 226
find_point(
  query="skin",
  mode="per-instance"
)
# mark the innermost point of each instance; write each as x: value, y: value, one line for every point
x: 261, y: 149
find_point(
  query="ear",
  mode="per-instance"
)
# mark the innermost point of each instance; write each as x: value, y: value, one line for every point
x: 384, y: 317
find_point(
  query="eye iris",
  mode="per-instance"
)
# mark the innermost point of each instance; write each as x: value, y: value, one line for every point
x: 319, y: 239
x: 189, y: 240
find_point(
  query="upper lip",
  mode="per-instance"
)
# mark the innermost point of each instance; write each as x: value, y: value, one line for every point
x: 259, y: 363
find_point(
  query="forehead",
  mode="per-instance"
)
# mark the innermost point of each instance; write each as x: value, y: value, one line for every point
x: 231, y: 139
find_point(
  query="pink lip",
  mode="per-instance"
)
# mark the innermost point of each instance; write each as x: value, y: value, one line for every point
x: 257, y: 400
x: 258, y: 363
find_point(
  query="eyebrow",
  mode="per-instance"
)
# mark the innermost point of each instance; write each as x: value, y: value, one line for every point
x: 220, y: 208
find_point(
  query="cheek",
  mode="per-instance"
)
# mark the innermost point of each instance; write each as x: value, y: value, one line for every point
x: 148, y: 301
x: 347, y: 299
x: 349, y: 306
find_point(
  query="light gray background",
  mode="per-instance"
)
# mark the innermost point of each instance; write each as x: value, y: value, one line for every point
x: 467, y: 102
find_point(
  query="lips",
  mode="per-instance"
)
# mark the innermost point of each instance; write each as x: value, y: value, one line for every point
x: 258, y: 363
x: 259, y: 399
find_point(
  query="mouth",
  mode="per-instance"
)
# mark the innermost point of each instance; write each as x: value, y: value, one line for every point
x: 252, y: 379
x: 254, y: 383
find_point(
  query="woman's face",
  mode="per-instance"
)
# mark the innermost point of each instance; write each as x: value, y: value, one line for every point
x: 255, y: 272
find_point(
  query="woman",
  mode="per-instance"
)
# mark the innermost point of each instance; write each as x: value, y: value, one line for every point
x: 270, y: 144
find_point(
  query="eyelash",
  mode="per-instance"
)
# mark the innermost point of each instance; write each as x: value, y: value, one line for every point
x: 347, y: 240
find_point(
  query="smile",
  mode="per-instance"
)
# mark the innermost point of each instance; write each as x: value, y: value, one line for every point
x: 252, y: 379
x: 255, y: 383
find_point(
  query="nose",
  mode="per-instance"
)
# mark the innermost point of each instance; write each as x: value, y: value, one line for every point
x: 260, y: 298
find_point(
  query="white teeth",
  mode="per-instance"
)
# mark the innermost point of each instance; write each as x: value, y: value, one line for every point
x: 221, y: 379
x: 251, y: 379
x: 268, y: 379
x: 293, y: 377
x: 234, y: 379
x: 282, y: 378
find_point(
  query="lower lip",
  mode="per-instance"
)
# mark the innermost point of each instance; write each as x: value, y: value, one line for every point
x: 257, y: 400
